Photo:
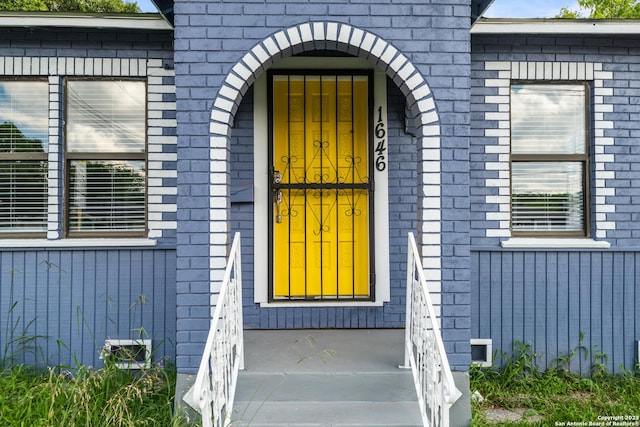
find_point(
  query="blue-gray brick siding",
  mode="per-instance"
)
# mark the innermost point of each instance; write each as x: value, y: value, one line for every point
x: 212, y: 37
x: 70, y: 299
x: 549, y: 298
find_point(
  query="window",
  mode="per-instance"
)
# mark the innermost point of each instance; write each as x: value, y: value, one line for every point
x: 24, y: 143
x: 105, y: 158
x: 549, y: 159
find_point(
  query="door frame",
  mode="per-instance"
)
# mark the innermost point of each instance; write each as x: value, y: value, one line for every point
x: 262, y: 180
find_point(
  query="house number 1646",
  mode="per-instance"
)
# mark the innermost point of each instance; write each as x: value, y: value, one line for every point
x: 380, y: 132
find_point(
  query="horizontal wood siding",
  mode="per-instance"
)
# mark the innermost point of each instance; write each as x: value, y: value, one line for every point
x: 548, y: 299
x: 72, y: 300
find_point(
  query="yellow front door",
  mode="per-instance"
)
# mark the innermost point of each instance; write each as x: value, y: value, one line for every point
x: 321, y: 187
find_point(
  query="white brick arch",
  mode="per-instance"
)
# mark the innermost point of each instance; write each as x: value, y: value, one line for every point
x: 345, y: 38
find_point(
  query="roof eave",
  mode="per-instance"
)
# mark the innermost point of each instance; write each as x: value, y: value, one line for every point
x: 556, y: 26
x: 138, y: 21
x: 478, y: 7
x: 165, y: 7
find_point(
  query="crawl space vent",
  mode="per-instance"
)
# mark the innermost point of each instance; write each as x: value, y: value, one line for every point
x: 482, y: 352
x: 127, y: 354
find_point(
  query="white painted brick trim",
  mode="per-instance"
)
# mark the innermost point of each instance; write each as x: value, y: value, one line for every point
x: 356, y: 38
x: 53, y: 218
x: 57, y: 68
x: 332, y: 31
x: 345, y: 31
x: 547, y: 71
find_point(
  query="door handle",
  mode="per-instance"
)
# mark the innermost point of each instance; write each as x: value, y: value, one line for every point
x: 277, y: 197
x: 278, y: 200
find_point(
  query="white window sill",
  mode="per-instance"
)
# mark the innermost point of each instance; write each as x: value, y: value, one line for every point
x: 76, y: 243
x: 541, y: 243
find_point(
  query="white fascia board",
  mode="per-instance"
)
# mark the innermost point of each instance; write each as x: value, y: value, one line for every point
x: 142, y: 21
x: 556, y: 26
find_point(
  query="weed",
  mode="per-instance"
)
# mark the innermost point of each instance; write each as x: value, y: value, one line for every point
x: 305, y: 349
x: 324, y: 355
x: 555, y: 395
x: 598, y: 365
x: 104, y: 397
x: 563, y: 362
x: 82, y: 396
x: 18, y: 342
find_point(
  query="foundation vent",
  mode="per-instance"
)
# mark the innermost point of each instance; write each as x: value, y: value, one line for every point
x: 482, y: 352
x: 127, y: 354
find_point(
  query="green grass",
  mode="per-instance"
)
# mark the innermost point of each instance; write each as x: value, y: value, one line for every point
x: 82, y: 397
x: 102, y: 397
x: 554, y: 396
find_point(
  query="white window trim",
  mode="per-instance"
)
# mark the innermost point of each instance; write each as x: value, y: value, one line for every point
x: 553, y: 243
x: 57, y: 68
x: 77, y: 243
x: 262, y: 180
x: 540, y: 71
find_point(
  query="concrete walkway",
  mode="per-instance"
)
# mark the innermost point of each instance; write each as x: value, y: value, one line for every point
x: 325, y: 378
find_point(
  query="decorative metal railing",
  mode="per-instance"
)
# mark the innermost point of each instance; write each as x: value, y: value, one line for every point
x: 213, y: 392
x: 424, y: 349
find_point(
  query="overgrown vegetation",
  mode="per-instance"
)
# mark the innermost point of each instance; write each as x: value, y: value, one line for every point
x: 555, y: 396
x: 102, y: 397
x: 31, y: 395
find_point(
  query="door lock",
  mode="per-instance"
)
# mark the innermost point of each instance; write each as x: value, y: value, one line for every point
x: 277, y: 197
x: 278, y: 200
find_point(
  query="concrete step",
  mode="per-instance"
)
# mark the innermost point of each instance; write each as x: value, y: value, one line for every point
x: 352, y: 414
x: 325, y: 378
x: 326, y: 399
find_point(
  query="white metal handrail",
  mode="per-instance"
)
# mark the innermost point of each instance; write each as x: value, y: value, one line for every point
x: 424, y: 349
x: 213, y: 392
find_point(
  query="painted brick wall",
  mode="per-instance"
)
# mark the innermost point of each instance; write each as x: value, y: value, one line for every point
x: 59, y: 54
x: 75, y: 297
x: 211, y: 37
x: 613, y: 69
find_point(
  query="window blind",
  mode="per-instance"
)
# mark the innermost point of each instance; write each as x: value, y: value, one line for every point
x: 549, y: 158
x: 106, y: 157
x: 547, y: 119
x: 106, y: 116
x: 547, y: 196
x: 24, y: 118
x: 106, y: 195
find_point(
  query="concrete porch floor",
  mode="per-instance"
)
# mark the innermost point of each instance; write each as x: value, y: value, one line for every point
x: 325, y: 378
x: 307, y: 350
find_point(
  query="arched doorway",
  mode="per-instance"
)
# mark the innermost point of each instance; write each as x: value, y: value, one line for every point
x: 378, y: 55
